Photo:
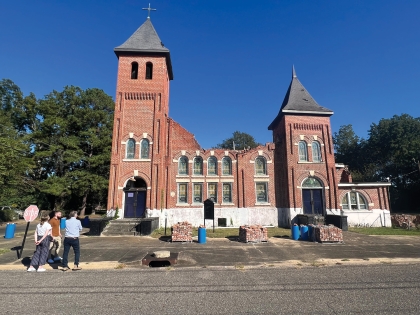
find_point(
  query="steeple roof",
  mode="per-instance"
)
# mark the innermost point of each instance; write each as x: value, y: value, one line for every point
x: 298, y: 101
x: 145, y: 40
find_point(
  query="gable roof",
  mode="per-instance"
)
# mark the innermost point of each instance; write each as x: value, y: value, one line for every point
x: 145, y: 40
x: 298, y: 101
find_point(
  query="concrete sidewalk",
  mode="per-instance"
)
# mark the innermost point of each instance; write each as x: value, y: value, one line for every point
x: 128, y: 252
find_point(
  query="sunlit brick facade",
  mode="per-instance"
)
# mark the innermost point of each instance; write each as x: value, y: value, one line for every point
x: 158, y: 168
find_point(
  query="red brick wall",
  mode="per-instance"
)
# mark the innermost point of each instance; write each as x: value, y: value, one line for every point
x: 243, y: 186
x: 141, y: 107
x: 290, y: 173
x: 376, y: 197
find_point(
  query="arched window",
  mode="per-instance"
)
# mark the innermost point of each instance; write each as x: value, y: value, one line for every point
x: 311, y: 182
x: 354, y: 200
x: 303, y: 151
x: 183, y: 165
x: 260, y: 166
x: 316, y: 152
x: 149, y: 70
x: 226, y: 166
x: 212, y: 166
x: 131, y: 149
x: 134, y: 70
x: 198, y: 165
x: 144, y: 153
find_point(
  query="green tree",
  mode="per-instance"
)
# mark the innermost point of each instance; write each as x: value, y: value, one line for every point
x: 72, y: 144
x: 16, y: 184
x: 238, y: 141
x: 348, y: 150
x: 394, y: 147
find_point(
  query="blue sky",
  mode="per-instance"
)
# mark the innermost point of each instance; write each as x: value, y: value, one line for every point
x: 232, y: 60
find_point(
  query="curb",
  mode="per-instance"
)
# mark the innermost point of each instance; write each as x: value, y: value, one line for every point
x: 296, y: 264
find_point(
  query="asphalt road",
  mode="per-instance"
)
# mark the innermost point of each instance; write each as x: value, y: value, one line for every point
x: 381, y: 289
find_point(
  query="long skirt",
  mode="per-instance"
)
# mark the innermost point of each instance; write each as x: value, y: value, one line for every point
x: 41, y: 253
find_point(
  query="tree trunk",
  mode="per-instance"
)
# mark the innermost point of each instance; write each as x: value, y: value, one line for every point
x: 83, y: 209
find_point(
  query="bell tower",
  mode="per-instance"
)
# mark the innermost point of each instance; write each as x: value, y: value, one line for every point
x: 304, y: 160
x: 140, y: 123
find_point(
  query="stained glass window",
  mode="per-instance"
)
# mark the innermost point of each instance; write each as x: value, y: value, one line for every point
x: 131, y: 149
x: 183, y: 165
x: 316, y: 152
x: 226, y: 166
x: 182, y: 193
x: 261, y: 192
x: 198, y: 193
x: 144, y: 149
x: 311, y: 182
x: 303, y: 151
x: 212, y: 191
x: 212, y: 166
x: 227, y: 192
x: 198, y: 166
x: 260, y: 166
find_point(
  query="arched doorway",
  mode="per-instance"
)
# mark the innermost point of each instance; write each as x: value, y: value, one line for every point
x: 312, y: 196
x: 135, y: 198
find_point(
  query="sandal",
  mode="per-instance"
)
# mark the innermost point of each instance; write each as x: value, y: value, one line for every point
x: 75, y: 268
x: 65, y: 268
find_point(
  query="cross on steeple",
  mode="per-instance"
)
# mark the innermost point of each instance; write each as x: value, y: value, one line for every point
x: 149, y: 9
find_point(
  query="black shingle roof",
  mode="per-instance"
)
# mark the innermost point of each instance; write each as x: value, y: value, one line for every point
x: 298, y: 101
x: 145, y: 40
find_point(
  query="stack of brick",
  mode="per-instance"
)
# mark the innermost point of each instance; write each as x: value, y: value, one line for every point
x: 328, y: 233
x: 405, y: 221
x: 182, y: 232
x: 253, y: 233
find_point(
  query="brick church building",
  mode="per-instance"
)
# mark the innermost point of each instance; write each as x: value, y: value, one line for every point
x: 158, y: 169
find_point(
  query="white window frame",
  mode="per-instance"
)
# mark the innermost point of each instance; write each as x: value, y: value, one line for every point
x: 201, y: 193
x: 316, y: 152
x: 223, y: 193
x: 265, y: 184
x: 186, y: 193
x: 208, y: 192
x: 349, y: 204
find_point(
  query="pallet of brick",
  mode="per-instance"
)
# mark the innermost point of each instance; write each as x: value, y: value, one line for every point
x: 181, y: 232
x: 253, y: 233
x: 328, y: 234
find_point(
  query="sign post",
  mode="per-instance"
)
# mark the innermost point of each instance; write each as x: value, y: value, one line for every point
x: 209, y: 211
x: 30, y: 214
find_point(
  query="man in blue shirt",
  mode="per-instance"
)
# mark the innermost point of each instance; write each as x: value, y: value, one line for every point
x: 71, y: 239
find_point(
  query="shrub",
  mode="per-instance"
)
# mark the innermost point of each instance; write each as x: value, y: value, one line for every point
x: 8, y: 215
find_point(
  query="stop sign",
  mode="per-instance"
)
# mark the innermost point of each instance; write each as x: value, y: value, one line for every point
x: 31, y: 213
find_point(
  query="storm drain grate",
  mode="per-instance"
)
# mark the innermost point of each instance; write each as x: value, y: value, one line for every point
x: 151, y: 261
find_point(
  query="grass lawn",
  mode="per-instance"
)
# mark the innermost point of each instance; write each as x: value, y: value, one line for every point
x: 225, y: 232
x: 4, y: 250
x: 384, y: 231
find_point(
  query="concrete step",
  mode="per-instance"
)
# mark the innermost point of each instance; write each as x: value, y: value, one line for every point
x: 128, y: 227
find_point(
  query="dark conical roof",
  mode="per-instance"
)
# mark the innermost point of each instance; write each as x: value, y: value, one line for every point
x: 145, y: 40
x: 298, y: 101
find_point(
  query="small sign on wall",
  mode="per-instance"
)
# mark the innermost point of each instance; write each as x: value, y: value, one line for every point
x: 130, y: 195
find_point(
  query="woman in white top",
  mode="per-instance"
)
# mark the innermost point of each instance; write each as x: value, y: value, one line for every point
x: 42, y: 242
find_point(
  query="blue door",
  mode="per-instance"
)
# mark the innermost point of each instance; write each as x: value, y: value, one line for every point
x: 312, y: 201
x: 135, y: 204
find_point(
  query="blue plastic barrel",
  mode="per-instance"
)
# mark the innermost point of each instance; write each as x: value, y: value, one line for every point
x: 310, y: 232
x: 304, y: 232
x: 295, y: 232
x: 63, y: 223
x: 10, y: 230
x: 201, y: 235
